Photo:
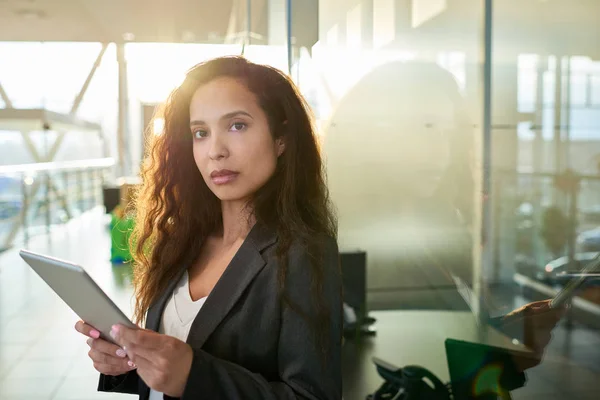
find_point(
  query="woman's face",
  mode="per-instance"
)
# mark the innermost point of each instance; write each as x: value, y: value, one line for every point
x: 232, y: 143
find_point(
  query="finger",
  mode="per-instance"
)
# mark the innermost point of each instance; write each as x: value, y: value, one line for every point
x: 135, y: 351
x: 540, y: 304
x: 87, y: 330
x: 106, y: 347
x: 111, y: 369
x: 103, y: 358
x: 537, y: 308
x: 135, y: 359
x: 551, y: 314
x: 141, y: 337
x: 105, y: 369
x: 140, y: 362
x: 545, y: 315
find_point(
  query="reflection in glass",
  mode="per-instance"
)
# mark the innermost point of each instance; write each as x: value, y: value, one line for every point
x: 401, y: 175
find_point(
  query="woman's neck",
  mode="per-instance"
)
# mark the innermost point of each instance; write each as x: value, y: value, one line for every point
x: 237, y: 221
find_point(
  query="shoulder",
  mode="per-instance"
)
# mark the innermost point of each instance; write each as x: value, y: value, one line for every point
x: 322, y: 246
x: 322, y: 251
x: 306, y: 266
x: 317, y: 254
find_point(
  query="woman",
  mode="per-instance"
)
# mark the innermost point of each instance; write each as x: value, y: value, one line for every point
x: 236, y: 265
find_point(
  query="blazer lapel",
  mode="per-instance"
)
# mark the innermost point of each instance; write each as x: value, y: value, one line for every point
x: 156, y: 310
x: 238, y: 275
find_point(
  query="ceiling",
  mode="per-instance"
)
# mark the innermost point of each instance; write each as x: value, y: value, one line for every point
x: 199, y: 21
x: 563, y: 26
x: 566, y: 27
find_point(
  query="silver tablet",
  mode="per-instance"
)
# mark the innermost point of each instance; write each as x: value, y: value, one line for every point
x: 79, y: 291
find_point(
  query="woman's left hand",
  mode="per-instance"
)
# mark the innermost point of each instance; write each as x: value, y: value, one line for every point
x: 163, y: 362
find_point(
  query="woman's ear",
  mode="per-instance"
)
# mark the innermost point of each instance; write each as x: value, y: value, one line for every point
x: 279, y: 142
x: 280, y: 146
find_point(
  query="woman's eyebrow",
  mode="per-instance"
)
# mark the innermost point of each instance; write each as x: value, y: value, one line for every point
x: 226, y: 116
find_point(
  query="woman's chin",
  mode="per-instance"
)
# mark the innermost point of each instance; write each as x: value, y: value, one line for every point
x: 230, y: 195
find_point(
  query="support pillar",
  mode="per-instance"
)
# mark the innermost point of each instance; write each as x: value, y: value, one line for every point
x: 123, y: 113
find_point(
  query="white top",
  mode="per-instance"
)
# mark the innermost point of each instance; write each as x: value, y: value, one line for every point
x: 180, y: 311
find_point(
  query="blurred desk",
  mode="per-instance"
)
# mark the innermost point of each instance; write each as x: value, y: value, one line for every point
x: 410, y: 338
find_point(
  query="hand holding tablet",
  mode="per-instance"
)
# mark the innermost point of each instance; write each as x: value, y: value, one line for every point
x: 108, y: 358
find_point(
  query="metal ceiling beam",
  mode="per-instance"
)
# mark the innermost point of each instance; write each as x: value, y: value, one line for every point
x: 10, y: 119
x: 5, y: 98
x: 86, y: 84
x: 31, y: 146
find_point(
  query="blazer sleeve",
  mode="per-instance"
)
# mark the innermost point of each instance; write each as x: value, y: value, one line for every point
x: 305, y: 371
x: 126, y: 383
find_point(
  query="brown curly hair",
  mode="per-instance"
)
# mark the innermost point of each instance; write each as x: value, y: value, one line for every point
x: 176, y: 211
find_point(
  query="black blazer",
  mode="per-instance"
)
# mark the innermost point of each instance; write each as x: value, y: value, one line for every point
x: 246, y: 344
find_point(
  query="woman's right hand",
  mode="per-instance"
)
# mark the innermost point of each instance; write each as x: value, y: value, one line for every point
x: 108, y: 358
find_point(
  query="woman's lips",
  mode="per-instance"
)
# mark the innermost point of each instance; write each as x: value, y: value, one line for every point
x: 223, y: 176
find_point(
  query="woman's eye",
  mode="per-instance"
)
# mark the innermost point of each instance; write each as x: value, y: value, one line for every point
x: 199, y: 134
x: 238, y: 126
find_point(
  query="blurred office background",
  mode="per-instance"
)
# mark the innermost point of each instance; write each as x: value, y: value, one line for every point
x: 501, y: 195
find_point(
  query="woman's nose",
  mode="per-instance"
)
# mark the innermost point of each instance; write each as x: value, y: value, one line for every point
x: 218, y: 147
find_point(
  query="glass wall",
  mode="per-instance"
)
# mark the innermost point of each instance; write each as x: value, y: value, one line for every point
x: 398, y: 142
x: 398, y: 88
x: 547, y: 140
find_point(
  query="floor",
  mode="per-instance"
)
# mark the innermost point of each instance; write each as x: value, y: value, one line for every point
x: 42, y: 357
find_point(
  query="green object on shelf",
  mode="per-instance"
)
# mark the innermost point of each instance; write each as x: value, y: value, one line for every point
x: 121, y: 226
